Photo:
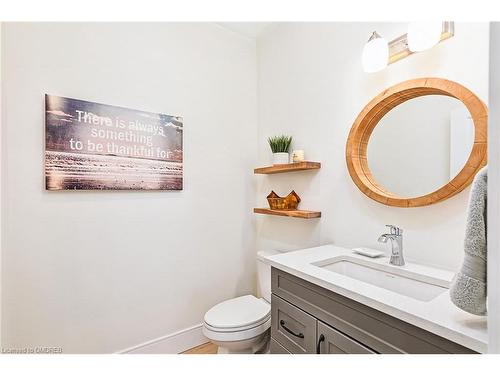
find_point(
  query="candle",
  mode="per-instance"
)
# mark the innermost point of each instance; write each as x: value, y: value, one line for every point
x: 297, y: 156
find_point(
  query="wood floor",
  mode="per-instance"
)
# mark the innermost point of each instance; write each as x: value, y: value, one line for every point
x: 207, y: 348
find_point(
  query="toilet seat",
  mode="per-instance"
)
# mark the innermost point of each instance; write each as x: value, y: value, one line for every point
x: 236, y: 329
x: 237, y: 319
x: 228, y: 336
x: 238, y: 314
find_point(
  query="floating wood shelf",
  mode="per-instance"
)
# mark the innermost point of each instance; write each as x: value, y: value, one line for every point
x: 292, y: 167
x: 291, y: 213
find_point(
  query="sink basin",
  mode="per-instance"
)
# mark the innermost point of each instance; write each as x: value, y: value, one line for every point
x: 422, y: 288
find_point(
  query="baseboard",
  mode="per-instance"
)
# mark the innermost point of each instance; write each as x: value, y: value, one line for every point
x: 176, y: 342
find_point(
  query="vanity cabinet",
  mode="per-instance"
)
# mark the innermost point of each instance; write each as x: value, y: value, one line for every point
x: 306, y: 319
x: 292, y: 327
x: 331, y: 341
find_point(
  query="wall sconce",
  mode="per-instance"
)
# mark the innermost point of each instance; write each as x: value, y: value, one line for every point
x: 420, y: 36
x: 423, y: 35
x: 375, y: 54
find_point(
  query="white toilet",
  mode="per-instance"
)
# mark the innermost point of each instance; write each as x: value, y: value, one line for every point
x: 242, y: 324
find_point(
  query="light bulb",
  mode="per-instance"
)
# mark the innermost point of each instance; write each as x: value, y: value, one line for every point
x: 375, y: 54
x: 424, y: 35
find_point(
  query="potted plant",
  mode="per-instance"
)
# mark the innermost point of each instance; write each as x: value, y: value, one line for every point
x: 279, y: 146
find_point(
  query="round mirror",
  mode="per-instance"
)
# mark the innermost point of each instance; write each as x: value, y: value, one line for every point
x: 418, y: 143
x: 421, y: 145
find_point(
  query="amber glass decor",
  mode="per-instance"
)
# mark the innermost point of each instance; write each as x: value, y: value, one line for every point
x: 290, y: 202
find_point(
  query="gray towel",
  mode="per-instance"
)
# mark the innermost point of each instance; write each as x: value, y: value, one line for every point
x: 468, y: 289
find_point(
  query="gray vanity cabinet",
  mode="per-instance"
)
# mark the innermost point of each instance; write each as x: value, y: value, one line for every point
x: 295, y: 331
x: 306, y: 319
x: 331, y: 341
x: 293, y: 328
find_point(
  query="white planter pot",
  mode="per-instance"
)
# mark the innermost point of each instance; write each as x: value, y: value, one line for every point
x: 281, y: 158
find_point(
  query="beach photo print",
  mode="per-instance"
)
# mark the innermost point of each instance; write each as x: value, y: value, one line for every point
x: 92, y: 146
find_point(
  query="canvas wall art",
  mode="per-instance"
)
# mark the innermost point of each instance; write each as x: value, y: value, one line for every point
x: 92, y: 146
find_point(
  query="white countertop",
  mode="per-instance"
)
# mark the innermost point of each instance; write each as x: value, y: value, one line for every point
x: 438, y: 315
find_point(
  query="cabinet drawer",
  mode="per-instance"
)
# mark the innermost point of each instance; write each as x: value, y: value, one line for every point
x: 276, y: 348
x: 294, y: 329
x: 331, y: 341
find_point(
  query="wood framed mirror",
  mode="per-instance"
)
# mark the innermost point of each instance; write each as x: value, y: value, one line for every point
x: 395, y: 169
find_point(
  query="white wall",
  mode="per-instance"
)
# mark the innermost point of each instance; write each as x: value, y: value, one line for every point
x: 494, y: 194
x: 102, y: 271
x: 312, y: 86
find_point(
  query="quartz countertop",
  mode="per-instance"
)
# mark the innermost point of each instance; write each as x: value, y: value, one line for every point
x: 438, y: 315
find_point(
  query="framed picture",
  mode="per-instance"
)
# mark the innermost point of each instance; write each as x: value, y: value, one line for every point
x: 92, y: 146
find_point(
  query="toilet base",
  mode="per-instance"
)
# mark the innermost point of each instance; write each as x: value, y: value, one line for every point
x: 258, y: 345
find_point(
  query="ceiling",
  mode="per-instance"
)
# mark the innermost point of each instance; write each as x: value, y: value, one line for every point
x: 248, y: 29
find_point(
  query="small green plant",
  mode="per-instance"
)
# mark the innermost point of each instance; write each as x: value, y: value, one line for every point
x: 280, y: 143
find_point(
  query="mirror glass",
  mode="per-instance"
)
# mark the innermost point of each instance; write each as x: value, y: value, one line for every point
x: 420, y: 145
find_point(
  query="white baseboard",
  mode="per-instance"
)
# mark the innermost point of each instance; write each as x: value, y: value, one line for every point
x: 174, y: 343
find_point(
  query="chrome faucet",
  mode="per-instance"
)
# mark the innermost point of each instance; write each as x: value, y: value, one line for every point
x: 396, y: 237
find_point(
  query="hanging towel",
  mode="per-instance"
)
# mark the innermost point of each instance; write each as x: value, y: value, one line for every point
x: 468, y: 289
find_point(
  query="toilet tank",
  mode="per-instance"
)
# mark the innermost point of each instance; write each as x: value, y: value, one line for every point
x: 264, y: 274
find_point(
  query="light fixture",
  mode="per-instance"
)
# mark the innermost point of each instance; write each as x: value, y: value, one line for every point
x: 375, y: 54
x: 424, y: 35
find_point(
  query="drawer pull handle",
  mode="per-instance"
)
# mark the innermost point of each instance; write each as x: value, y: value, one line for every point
x: 299, y: 335
x: 318, y: 346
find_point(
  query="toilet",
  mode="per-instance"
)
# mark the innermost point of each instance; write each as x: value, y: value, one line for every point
x: 242, y: 324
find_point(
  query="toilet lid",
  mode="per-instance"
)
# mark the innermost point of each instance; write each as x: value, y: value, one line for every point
x: 238, y: 312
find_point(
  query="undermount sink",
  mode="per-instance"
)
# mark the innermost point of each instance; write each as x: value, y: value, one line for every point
x: 422, y: 288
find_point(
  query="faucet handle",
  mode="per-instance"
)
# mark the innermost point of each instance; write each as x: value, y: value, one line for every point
x: 395, y: 230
